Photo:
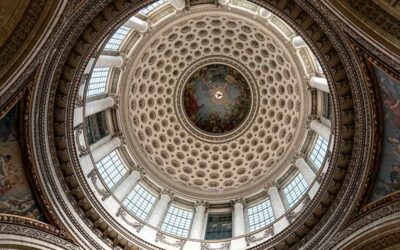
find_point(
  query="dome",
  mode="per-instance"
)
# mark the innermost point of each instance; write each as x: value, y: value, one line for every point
x: 212, y: 111
x: 213, y: 103
x: 200, y: 124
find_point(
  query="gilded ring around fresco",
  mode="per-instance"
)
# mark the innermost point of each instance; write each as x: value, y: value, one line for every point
x: 216, y: 98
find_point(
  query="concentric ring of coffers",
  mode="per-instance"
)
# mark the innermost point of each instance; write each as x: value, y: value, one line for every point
x: 169, y: 147
x: 156, y: 158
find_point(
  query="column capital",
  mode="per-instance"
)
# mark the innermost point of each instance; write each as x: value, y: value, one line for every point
x: 310, y: 118
x: 141, y: 171
x: 167, y: 192
x: 121, y: 136
x: 117, y: 100
x: 202, y: 203
x: 237, y: 201
x: 296, y: 156
x: 271, y: 185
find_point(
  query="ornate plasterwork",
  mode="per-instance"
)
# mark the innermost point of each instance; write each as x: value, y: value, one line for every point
x: 61, y: 77
x: 179, y: 244
x: 194, y: 163
x: 23, y: 227
x: 253, y: 239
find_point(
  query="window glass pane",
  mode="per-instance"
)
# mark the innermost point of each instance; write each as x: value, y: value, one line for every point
x: 116, y: 39
x: 295, y: 190
x: 177, y: 221
x: 111, y: 169
x: 98, y: 81
x: 318, y: 154
x: 139, y: 202
x: 327, y: 105
x: 96, y: 127
x: 219, y: 226
x: 149, y: 8
x: 260, y: 215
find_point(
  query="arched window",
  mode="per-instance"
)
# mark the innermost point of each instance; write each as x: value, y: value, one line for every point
x: 116, y: 39
x: 260, y: 215
x: 318, y: 154
x: 98, y: 81
x: 177, y: 221
x: 111, y: 169
x: 295, y: 189
x: 139, y: 201
x: 149, y: 8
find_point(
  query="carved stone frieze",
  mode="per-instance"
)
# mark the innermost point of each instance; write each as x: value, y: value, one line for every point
x: 160, y: 237
x: 122, y: 213
x: 223, y: 246
x: 37, y: 234
x: 253, y: 239
x: 93, y: 178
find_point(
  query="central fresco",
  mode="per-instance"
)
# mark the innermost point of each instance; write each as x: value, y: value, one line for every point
x: 217, y: 98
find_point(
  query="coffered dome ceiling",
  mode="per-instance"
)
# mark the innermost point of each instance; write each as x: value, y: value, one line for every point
x: 213, y: 103
x: 208, y: 109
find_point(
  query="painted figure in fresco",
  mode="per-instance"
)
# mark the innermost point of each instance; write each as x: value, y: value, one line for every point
x: 392, y: 103
x: 395, y: 177
x: 216, y: 98
x: 4, y: 159
x: 388, y: 180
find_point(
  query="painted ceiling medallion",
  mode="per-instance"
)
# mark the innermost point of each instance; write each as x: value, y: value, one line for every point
x: 216, y: 98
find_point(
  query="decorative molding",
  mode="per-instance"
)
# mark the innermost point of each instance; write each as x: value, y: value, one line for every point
x: 83, y: 151
x: 236, y: 201
x: 160, y: 237
x: 37, y: 234
x: 270, y: 185
x: 93, y: 178
x: 253, y: 239
x: 224, y: 246
x: 136, y: 225
x: 201, y: 203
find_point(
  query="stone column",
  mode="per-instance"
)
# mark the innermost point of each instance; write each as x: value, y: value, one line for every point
x: 320, y: 129
x: 319, y: 83
x: 178, y: 4
x: 137, y: 24
x: 93, y: 108
x: 127, y: 185
x: 298, y: 42
x: 277, y: 206
x: 238, y: 218
x: 196, y: 231
x: 109, y: 61
x: 105, y: 149
x: 160, y: 209
x: 264, y: 13
x: 223, y: 2
x: 305, y: 170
